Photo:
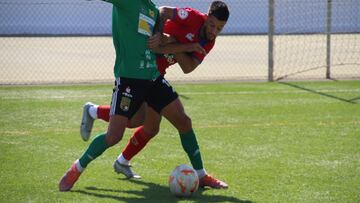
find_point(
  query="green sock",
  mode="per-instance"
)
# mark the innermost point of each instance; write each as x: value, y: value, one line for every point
x: 190, y: 145
x: 95, y: 149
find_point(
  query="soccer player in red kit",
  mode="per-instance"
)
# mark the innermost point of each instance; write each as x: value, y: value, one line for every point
x: 194, y: 33
x: 187, y: 27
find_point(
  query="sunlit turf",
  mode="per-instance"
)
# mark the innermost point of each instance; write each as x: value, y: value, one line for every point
x: 271, y: 142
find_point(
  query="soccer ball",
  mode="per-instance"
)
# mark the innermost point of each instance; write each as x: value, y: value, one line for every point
x: 183, y: 181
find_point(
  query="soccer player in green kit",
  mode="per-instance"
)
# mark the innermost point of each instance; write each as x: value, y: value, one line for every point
x: 137, y: 80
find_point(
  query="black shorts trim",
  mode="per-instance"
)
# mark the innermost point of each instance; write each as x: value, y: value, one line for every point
x: 129, y: 94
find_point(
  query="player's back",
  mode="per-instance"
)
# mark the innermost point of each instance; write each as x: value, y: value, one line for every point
x: 133, y: 22
x: 185, y: 27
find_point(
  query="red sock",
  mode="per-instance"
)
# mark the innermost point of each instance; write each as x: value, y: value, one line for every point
x: 103, y: 112
x: 136, y: 143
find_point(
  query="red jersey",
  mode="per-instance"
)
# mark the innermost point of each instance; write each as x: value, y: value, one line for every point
x: 185, y: 27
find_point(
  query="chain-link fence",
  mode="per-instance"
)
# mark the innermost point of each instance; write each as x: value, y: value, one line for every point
x: 317, y: 38
x: 68, y: 41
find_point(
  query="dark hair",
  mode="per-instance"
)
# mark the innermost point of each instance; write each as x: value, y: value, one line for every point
x: 220, y: 10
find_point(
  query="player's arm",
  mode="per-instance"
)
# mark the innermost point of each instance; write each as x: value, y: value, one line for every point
x: 157, y: 38
x: 169, y: 45
x: 187, y: 62
x: 174, y: 48
x: 157, y: 41
x: 165, y: 13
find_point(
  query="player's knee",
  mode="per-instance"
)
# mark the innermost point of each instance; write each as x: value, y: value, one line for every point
x: 113, y: 139
x: 137, y: 120
x: 134, y: 123
x: 186, y: 124
x: 151, y: 132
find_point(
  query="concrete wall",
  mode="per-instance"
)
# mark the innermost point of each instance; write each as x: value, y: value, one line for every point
x: 82, y: 17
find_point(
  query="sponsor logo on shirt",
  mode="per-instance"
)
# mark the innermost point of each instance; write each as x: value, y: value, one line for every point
x: 169, y: 58
x: 146, y: 25
x: 190, y: 36
x: 182, y: 13
x: 127, y: 93
x: 128, y: 90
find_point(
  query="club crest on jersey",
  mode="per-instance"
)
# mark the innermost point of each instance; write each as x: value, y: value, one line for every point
x: 151, y: 13
x: 182, y: 13
x: 190, y: 36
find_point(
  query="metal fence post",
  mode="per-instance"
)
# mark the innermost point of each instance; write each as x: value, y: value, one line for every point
x: 271, y: 41
x: 328, y: 38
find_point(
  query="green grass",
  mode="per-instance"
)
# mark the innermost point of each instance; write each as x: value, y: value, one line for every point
x: 271, y: 142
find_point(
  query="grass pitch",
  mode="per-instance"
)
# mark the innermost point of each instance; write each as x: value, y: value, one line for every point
x: 271, y: 142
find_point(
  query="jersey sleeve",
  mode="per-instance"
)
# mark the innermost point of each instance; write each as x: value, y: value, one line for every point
x: 207, y: 46
x: 186, y: 16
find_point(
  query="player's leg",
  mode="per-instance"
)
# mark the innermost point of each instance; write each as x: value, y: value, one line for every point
x: 121, y: 110
x: 137, y: 142
x: 139, y: 117
x: 102, y: 112
x: 159, y: 96
x: 175, y: 113
x: 91, y: 112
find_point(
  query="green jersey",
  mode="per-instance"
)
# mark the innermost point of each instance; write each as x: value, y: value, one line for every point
x: 133, y: 23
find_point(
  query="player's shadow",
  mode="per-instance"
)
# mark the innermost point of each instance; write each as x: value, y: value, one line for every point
x: 354, y: 100
x: 152, y: 193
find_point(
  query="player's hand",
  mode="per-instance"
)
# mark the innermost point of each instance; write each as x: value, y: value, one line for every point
x: 196, y: 47
x: 154, y: 41
x: 167, y: 39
